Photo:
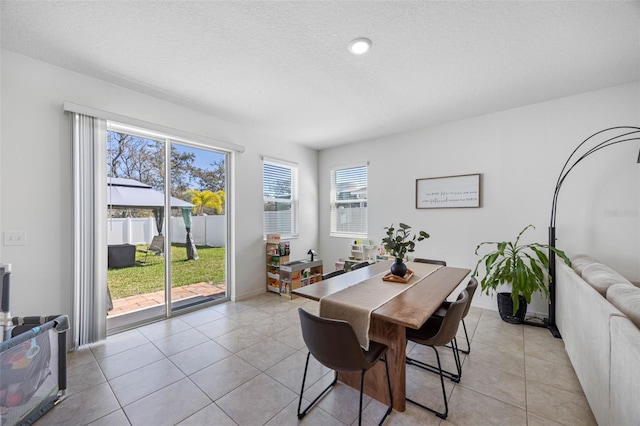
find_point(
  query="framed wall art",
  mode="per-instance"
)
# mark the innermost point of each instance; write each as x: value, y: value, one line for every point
x: 448, y: 192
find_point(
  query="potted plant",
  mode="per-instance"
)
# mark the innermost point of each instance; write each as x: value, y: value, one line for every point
x: 523, y: 266
x: 398, y: 243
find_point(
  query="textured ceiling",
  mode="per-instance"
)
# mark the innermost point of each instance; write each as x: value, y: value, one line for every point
x: 283, y: 69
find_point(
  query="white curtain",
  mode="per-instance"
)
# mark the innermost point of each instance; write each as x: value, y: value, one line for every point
x: 90, y: 296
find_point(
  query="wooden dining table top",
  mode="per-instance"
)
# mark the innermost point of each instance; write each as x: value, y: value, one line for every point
x: 410, y: 308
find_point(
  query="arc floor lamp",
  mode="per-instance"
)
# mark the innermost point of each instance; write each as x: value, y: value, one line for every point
x: 597, y: 141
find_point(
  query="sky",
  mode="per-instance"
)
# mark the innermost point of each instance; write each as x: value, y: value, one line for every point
x: 203, y: 158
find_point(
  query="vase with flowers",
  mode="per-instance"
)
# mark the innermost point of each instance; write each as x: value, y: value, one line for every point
x: 398, y: 242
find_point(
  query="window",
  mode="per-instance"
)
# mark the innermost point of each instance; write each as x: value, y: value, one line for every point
x: 349, y: 201
x: 280, y: 193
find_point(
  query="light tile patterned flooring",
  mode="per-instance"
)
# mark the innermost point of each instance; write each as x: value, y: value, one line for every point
x: 242, y: 363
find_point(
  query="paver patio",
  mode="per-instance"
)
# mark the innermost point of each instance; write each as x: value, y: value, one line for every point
x: 141, y: 301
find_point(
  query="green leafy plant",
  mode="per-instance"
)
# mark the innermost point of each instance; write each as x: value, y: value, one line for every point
x: 400, y: 241
x: 523, y: 266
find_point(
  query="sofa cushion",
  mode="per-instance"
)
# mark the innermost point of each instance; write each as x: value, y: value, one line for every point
x: 580, y: 261
x: 601, y: 277
x: 627, y: 299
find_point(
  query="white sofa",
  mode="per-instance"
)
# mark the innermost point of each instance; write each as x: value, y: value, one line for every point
x: 598, y: 316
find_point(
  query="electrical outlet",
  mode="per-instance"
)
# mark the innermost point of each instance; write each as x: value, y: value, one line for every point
x: 15, y: 238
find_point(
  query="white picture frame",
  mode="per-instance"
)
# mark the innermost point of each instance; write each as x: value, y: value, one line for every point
x: 460, y: 191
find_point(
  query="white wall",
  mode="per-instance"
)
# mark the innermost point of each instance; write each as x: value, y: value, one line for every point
x: 519, y: 153
x: 35, y: 178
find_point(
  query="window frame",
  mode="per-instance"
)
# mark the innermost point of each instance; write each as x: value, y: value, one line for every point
x: 294, y: 169
x: 334, y: 202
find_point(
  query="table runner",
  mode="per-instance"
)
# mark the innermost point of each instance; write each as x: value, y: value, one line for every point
x: 355, y: 304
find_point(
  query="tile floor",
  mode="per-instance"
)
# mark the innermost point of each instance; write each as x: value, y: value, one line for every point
x: 241, y: 363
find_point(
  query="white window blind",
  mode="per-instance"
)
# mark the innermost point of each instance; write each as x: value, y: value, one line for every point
x: 280, y: 193
x: 349, y: 201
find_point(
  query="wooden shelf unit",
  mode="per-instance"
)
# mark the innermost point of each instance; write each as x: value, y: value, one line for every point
x: 276, y: 255
x: 292, y: 278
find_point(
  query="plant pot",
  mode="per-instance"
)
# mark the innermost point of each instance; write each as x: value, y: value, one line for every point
x: 505, y: 308
x: 398, y: 268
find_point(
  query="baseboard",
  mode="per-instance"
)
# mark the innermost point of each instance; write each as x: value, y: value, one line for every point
x: 239, y: 297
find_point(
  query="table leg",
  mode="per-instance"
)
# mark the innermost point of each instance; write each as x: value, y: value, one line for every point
x: 394, y: 336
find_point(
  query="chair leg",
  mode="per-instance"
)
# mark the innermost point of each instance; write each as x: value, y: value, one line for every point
x: 456, y: 358
x: 390, y: 407
x: 466, y: 335
x: 386, y: 365
x: 361, y: 389
x: 449, y: 375
x: 335, y: 379
x: 444, y: 393
x: 304, y: 378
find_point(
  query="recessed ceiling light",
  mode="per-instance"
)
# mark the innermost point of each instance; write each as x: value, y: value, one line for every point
x: 359, y: 46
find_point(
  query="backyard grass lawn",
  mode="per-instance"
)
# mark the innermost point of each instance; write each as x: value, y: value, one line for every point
x: 148, y: 276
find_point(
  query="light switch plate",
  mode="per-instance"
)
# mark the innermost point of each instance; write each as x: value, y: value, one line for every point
x: 15, y: 238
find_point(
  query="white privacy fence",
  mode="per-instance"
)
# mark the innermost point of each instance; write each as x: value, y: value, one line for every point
x: 206, y: 230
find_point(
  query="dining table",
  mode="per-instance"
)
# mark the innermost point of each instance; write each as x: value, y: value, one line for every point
x: 409, y: 308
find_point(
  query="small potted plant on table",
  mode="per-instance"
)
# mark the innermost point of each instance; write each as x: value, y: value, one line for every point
x: 398, y: 243
x: 524, y: 267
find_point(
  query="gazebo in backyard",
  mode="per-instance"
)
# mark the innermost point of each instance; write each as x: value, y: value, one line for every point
x: 131, y: 194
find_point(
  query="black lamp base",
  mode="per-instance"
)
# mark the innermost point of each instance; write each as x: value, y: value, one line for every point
x: 553, y: 329
x: 543, y: 323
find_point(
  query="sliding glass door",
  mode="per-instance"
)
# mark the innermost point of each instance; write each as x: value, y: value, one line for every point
x: 199, y: 231
x: 167, y: 226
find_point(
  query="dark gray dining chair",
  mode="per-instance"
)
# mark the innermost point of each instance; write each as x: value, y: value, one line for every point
x: 471, y: 289
x: 431, y: 261
x: 335, y: 345
x: 439, y: 331
x: 360, y: 265
x: 333, y: 274
x: 441, y: 312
